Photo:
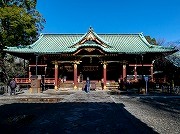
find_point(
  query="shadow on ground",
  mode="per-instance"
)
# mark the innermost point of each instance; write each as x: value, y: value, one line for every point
x: 76, y: 118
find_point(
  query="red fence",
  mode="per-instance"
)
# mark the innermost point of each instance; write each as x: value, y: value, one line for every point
x: 26, y: 81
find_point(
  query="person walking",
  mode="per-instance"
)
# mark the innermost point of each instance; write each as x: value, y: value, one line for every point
x: 12, y: 86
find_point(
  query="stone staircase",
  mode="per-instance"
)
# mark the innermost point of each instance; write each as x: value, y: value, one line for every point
x: 94, y: 86
x: 112, y: 85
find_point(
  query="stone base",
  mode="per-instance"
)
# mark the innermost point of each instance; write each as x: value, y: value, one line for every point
x: 35, y: 90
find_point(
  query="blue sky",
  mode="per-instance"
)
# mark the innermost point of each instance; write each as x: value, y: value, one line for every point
x: 158, y: 18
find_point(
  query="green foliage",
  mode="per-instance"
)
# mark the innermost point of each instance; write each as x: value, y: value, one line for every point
x: 20, y: 24
x: 16, y: 26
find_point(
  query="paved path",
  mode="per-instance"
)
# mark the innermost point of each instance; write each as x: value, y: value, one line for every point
x: 77, y: 113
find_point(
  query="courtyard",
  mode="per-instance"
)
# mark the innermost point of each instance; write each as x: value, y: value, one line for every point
x: 94, y: 112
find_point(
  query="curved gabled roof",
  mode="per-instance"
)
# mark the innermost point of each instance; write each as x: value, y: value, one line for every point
x: 110, y: 43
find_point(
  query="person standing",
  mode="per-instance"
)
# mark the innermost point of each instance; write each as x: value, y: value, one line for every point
x: 12, y: 86
x: 102, y: 83
x: 88, y: 85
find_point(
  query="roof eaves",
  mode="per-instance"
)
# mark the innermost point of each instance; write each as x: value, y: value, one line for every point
x: 145, y: 41
x: 49, y: 52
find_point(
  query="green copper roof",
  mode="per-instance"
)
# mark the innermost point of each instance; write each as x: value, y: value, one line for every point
x: 112, y: 43
x: 94, y: 34
x: 174, y: 58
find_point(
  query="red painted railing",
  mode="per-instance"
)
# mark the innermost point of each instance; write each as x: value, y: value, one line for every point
x: 23, y: 80
x: 48, y: 81
x: 51, y: 81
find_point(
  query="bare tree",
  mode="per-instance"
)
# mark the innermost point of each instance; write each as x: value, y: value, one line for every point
x: 161, y: 41
x: 175, y: 44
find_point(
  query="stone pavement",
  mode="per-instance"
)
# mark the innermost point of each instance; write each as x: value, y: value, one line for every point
x: 162, y: 113
x: 71, y: 112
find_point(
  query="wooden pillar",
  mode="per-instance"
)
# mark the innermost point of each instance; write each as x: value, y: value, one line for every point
x: 124, y: 72
x: 75, y: 75
x: 104, y: 74
x: 135, y: 72
x: 152, y: 73
x: 56, y: 76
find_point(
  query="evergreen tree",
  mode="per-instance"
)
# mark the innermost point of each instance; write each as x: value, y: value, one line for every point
x: 151, y: 40
x: 20, y: 24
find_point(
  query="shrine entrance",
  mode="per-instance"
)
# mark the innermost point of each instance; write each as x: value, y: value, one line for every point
x: 90, y: 67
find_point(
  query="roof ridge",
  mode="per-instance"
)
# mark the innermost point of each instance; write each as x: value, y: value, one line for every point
x: 90, y: 32
x: 93, y: 32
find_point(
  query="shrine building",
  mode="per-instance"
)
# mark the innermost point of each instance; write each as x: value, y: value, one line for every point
x: 66, y: 60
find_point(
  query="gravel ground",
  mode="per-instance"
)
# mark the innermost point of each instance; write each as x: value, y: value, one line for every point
x: 160, y: 113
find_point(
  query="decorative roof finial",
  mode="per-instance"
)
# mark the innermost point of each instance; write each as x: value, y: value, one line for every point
x: 90, y: 28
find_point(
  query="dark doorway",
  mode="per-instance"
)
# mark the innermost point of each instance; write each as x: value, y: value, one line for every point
x: 90, y: 67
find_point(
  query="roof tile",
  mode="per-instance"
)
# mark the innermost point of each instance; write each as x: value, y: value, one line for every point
x: 61, y: 43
